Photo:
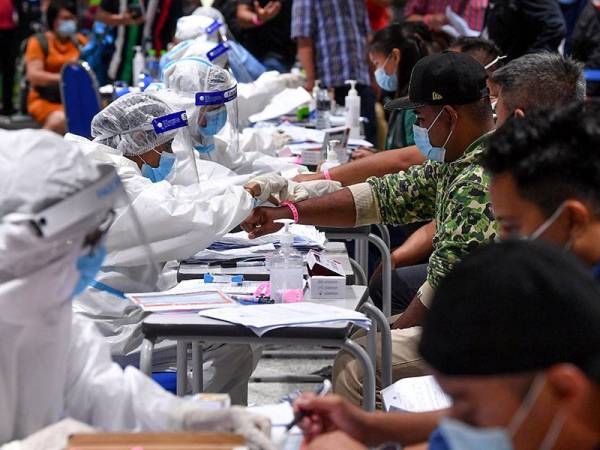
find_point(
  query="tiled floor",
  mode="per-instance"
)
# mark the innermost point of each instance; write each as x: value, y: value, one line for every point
x: 271, y: 392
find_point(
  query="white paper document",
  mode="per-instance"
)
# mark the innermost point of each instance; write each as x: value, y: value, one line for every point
x: 286, y: 102
x: 418, y: 394
x: 263, y: 318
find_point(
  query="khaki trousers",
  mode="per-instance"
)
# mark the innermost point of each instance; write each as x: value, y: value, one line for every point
x: 406, y: 363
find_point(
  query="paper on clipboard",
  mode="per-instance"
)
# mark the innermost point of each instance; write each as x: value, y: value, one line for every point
x: 170, y: 301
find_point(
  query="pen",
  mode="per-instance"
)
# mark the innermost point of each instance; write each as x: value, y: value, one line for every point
x: 321, y: 392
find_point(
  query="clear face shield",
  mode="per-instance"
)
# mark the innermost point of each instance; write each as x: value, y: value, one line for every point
x: 214, y: 123
x: 101, y: 222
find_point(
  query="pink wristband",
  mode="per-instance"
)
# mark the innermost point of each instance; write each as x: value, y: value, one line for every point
x: 326, y: 174
x: 256, y: 21
x: 293, y: 209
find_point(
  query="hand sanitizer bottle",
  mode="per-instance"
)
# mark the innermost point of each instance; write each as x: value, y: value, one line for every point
x: 353, y: 110
x: 287, y: 269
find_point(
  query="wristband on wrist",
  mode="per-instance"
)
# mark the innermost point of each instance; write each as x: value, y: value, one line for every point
x: 256, y: 21
x: 326, y: 174
x: 293, y: 209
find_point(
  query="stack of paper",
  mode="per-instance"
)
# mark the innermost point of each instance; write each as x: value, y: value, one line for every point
x: 419, y: 394
x: 263, y: 318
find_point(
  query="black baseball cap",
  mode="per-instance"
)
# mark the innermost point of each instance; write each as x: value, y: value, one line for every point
x: 511, y: 308
x: 447, y: 78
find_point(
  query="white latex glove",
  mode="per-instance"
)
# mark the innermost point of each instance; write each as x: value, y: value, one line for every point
x: 273, y: 187
x: 256, y: 429
x: 292, y: 80
x: 53, y: 437
x: 280, y: 139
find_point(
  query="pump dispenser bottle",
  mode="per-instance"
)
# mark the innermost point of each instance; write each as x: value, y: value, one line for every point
x: 353, y: 110
x: 287, y: 269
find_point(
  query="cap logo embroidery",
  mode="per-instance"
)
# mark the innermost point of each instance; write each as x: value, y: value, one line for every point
x: 436, y: 96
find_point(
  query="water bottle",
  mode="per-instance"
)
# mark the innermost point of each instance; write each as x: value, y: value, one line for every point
x: 152, y: 64
x: 323, y: 110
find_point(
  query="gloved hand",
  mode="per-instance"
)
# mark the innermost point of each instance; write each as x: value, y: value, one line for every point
x: 292, y: 80
x: 280, y: 139
x: 256, y: 429
x: 276, y: 189
x: 53, y: 437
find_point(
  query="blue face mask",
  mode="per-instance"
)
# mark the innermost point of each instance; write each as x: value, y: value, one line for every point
x: 205, y: 149
x: 67, y: 27
x: 455, y: 435
x: 215, y: 121
x: 165, y: 165
x: 386, y: 82
x: 88, y: 266
x: 423, y: 142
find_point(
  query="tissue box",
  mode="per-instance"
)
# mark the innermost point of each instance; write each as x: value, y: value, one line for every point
x: 327, y: 279
x: 325, y: 287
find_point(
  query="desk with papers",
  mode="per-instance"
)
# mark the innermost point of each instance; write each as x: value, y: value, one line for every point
x: 191, y: 328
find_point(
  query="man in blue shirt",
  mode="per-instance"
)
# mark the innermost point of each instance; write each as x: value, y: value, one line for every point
x: 332, y: 47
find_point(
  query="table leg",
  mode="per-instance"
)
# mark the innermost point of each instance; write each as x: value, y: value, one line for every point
x: 182, y: 366
x: 197, y: 373
x: 146, y: 357
x: 386, y: 342
x: 369, y: 373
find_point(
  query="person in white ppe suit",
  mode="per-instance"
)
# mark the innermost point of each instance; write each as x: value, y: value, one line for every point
x: 254, y: 96
x: 54, y: 365
x: 209, y: 95
x: 178, y: 220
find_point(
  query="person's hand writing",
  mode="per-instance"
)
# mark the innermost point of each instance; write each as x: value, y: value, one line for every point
x: 267, y: 12
x: 260, y: 222
x: 337, y: 439
x: 328, y: 414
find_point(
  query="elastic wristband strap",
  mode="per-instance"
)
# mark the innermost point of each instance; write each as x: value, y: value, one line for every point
x: 326, y: 174
x: 256, y: 21
x: 293, y: 209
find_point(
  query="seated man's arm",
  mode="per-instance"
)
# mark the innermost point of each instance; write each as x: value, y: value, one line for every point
x: 377, y: 165
x: 416, y: 248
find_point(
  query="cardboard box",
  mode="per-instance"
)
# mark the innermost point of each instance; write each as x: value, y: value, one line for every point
x: 156, y: 441
x: 327, y: 279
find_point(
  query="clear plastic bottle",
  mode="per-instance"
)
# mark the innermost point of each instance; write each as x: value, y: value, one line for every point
x: 323, y: 110
x: 332, y: 156
x: 353, y: 110
x: 287, y: 270
x: 139, y: 63
x: 152, y: 64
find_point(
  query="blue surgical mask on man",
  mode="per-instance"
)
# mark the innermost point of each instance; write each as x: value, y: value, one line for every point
x: 386, y: 82
x: 423, y: 142
x: 165, y: 165
x: 88, y: 266
x: 456, y: 435
x: 67, y: 27
x: 215, y: 121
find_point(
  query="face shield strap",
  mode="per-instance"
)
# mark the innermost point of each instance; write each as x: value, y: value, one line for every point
x: 217, y: 51
x: 216, y: 98
x: 495, y: 61
x: 170, y: 122
x: 94, y: 199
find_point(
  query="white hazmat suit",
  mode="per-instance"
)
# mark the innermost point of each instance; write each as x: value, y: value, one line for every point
x: 178, y: 221
x: 54, y: 365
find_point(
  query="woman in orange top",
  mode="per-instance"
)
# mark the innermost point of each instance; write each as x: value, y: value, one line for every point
x: 43, y: 67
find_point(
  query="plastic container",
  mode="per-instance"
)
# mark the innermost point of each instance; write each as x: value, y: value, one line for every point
x: 287, y: 270
x: 353, y: 110
x: 332, y: 157
x: 139, y: 64
x: 323, y: 120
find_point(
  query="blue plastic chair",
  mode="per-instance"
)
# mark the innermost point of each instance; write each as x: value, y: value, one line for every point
x: 80, y: 97
x: 168, y: 381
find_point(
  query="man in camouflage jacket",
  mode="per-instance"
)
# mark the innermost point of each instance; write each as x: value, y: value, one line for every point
x: 449, y: 95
